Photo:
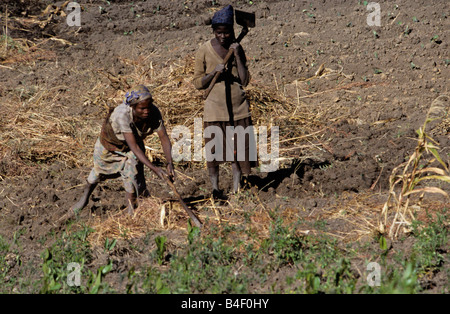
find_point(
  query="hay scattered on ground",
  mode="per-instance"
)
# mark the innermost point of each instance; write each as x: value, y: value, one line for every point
x: 172, y: 86
x: 45, y: 134
x: 121, y: 225
x: 36, y: 129
x: 350, y: 218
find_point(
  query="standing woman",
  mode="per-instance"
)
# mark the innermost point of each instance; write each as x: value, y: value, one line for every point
x: 120, y: 151
x: 226, y: 104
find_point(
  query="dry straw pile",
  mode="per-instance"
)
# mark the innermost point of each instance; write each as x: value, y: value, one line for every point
x: 121, y: 225
x: 251, y: 218
x: 154, y: 214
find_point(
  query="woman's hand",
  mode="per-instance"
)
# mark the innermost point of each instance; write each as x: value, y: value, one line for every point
x: 160, y: 173
x: 239, y: 55
x: 219, y: 68
x: 206, y: 80
x: 167, y: 148
x: 237, y: 49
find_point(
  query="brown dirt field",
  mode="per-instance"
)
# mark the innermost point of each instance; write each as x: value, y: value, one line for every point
x: 357, y: 121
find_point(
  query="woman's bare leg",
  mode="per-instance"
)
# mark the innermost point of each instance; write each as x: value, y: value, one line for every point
x: 132, y: 202
x: 84, y: 200
x: 236, y: 176
x: 214, y: 177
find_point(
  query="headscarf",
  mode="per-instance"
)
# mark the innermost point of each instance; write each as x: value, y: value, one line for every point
x: 136, y: 95
x: 224, y: 16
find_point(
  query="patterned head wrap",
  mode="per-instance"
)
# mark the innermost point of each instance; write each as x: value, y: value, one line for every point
x: 136, y: 95
x: 224, y: 16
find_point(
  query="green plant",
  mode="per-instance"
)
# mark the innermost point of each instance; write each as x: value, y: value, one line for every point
x: 309, y: 14
x: 95, y: 283
x: 109, y: 245
x: 193, y: 232
x: 432, y: 239
x: 407, y: 31
x: 132, y: 280
x: 206, y: 266
x: 4, y: 249
x: 336, y: 279
x: 52, y: 275
x: 383, y: 244
x: 70, y: 248
x: 160, y: 248
x: 419, y: 168
x: 414, y: 66
x: 9, y: 46
x: 284, y: 243
x: 312, y: 279
x: 398, y: 282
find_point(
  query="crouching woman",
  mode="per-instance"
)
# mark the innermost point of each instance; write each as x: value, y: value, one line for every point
x: 120, y: 151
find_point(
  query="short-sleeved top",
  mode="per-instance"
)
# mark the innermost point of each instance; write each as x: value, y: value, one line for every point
x: 122, y: 122
x: 215, y: 108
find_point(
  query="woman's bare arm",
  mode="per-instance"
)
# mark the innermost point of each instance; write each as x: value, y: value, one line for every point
x: 134, y: 147
x: 206, y: 80
x: 167, y: 149
x: 241, y: 63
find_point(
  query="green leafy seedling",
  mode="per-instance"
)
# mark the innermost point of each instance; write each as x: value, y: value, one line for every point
x: 377, y: 71
x: 96, y: 281
x: 383, y: 243
x: 160, y: 248
x: 109, y: 245
x: 414, y: 67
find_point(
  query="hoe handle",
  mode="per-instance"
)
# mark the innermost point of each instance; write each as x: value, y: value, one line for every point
x: 216, y: 76
x: 225, y: 61
x: 186, y: 208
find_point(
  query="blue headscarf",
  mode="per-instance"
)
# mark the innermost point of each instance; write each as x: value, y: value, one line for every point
x: 136, y: 95
x: 224, y: 16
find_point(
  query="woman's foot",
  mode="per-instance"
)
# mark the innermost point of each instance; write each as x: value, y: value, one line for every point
x: 84, y: 200
x: 145, y: 194
x: 132, y: 203
x: 219, y: 196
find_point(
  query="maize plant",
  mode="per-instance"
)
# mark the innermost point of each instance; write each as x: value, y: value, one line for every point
x: 425, y: 164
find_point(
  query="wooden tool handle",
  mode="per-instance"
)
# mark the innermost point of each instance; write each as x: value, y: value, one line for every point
x: 243, y: 33
x: 216, y: 76
x: 186, y: 208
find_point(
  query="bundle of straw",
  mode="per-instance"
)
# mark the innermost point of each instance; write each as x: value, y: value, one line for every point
x: 34, y: 132
x: 121, y: 225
